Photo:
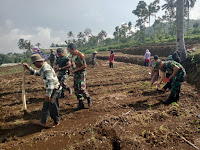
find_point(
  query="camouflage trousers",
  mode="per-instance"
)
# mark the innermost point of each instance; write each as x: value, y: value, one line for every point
x: 52, y: 63
x: 80, y: 85
x: 63, y: 81
x: 176, y: 85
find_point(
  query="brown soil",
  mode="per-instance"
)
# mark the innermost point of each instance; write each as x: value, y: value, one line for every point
x: 126, y: 114
x: 162, y: 50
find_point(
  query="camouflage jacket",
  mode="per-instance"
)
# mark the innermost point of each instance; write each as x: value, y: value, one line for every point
x: 169, y: 66
x: 78, y: 61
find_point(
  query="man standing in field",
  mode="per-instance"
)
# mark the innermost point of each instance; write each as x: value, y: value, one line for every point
x: 79, y: 70
x: 111, y: 59
x: 52, y: 58
x: 147, y: 58
x: 94, y: 58
x: 177, y: 77
x: 51, y: 103
x: 62, y: 65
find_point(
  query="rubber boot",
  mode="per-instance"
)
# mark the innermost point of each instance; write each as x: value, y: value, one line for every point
x: 177, y: 96
x: 80, y: 105
x: 89, y: 101
x: 169, y: 100
x: 69, y: 90
x: 62, y: 95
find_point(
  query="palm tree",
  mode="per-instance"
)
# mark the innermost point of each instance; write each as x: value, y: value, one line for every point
x: 70, y: 35
x: 116, y: 33
x: 21, y: 44
x: 80, y: 35
x: 28, y: 47
x: 189, y: 4
x: 38, y: 45
x: 180, y: 34
x: 88, y: 32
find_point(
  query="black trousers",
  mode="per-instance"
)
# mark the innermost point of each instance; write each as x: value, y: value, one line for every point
x: 111, y: 65
x: 51, y: 108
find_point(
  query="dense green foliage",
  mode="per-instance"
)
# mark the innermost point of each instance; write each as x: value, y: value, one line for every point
x: 11, y: 58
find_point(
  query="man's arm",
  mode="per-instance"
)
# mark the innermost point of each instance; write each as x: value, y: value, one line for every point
x: 32, y: 71
x: 81, y: 68
x: 175, y: 71
x: 68, y: 65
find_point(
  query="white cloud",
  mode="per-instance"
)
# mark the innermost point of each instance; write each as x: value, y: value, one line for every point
x: 194, y: 13
x: 9, y: 39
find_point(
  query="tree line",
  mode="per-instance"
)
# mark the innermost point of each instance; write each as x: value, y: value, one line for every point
x: 163, y: 27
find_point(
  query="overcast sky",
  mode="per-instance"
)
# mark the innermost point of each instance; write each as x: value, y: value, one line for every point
x: 49, y: 21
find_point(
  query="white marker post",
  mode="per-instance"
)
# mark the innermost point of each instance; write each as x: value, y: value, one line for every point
x: 23, y: 91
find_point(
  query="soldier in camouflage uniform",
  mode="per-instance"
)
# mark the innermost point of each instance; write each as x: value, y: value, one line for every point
x: 177, y: 77
x: 173, y: 57
x: 52, y: 58
x: 63, y: 64
x: 79, y: 70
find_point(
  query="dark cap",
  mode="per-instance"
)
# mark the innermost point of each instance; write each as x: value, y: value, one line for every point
x: 155, y: 57
x: 59, y: 50
x: 156, y: 66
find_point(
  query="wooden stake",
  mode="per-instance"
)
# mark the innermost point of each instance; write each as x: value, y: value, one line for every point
x: 23, y: 91
x: 188, y: 142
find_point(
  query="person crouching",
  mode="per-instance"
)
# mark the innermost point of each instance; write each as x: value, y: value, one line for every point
x: 177, y: 77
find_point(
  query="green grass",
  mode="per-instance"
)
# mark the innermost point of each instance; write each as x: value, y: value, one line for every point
x: 11, y: 70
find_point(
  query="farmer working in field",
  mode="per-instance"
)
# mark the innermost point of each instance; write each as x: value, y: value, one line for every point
x: 62, y: 65
x: 177, y: 77
x: 94, y: 58
x: 52, y: 58
x: 51, y: 103
x: 79, y: 70
x: 111, y: 59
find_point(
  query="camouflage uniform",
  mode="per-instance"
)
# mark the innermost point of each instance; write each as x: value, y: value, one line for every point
x: 52, y: 59
x: 177, y: 80
x: 79, y: 77
x: 63, y: 74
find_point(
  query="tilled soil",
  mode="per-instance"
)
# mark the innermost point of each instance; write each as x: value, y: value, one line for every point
x: 126, y: 113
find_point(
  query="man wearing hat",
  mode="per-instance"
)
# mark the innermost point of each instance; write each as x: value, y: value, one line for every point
x: 177, y: 77
x: 94, y: 58
x: 63, y: 65
x: 51, y: 103
x: 79, y: 70
x: 52, y: 58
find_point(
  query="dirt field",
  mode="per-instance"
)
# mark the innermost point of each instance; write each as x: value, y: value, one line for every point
x: 126, y: 114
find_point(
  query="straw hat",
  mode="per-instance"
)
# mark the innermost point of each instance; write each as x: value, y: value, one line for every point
x: 95, y: 52
x: 36, y: 58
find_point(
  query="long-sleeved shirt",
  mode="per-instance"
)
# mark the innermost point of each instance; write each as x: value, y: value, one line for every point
x: 147, y: 55
x: 112, y: 57
x: 49, y: 77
